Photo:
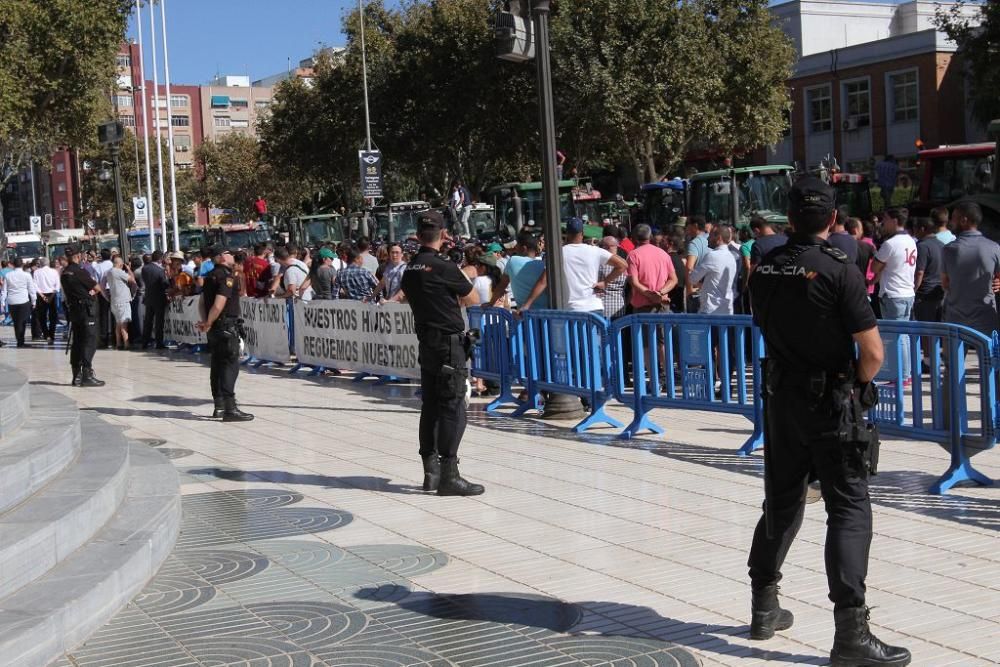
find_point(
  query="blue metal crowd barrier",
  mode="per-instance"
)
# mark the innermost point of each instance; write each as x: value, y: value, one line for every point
x: 498, y: 358
x: 937, y: 409
x: 567, y: 353
x: 701, y: 362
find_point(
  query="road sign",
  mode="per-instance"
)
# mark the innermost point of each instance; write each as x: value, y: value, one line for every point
x: 371, y: 173
x: 139, y: 209
x: 36, y: 224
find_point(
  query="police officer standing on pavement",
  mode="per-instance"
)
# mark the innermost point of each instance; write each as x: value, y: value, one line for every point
x: 80, y: 291
x: 221, y: 305
x: 811, y: 305
x: 436, y: 289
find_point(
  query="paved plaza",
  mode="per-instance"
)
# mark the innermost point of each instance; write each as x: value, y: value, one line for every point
x: 306, y: 540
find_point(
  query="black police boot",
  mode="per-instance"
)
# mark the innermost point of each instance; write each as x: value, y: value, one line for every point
x: 432, y: 472
x: 855, y: 646
x: 76, y: 376
x: 231, y: 413
x: 88, y: 379
x: 766, y: 614
x: 452, y: 483
x: 220, y: 408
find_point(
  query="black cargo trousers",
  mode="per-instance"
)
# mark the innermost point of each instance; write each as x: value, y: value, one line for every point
x: 803, y: 437
x: 224, y: 346
x: 443, y: 376
x: 82, y: 316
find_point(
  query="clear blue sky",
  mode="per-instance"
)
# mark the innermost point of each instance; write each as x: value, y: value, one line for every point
x: 243, y: 36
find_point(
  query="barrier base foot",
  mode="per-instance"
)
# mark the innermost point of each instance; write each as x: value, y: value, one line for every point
x: 295, y: 369
x: 533, y: 403
x: 598, y: 416
x: 958, y: 473
x: 640, y: 424
x: 505, y: 398
x: 754, y: 443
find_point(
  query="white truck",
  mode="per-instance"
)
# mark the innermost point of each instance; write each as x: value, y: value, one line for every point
x: 26, y: 245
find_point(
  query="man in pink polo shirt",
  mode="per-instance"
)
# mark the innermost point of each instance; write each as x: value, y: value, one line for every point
x: 651, y: 273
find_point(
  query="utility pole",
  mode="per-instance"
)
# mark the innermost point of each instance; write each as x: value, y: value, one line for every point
x: 110, y: 134
x: 366, y: 205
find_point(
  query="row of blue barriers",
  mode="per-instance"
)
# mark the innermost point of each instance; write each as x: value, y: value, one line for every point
x: 712, y: 363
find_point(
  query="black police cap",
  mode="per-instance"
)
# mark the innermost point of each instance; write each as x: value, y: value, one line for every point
x: 72, y: 250
x: 428, y: 220
x: 811, y: 195
x: 218, y: 250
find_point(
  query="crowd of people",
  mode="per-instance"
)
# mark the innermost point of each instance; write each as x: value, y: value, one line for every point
x: 937, y: 269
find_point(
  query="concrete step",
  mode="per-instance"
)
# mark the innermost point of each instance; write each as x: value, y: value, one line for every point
x: 58, y: 611
x: 14, y: 399
x: 42, y: 531
x: 37, y: 453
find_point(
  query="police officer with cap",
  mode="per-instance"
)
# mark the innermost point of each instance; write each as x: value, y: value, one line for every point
x: 811, y: 304
x: 436, y: 289
x: 221, y: 303
x: 80, y: 291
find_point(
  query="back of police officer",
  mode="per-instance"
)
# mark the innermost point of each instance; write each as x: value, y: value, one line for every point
x: 221, y: 305
x: 80, y: 292
x: 436, y: 289
x: 811, y: 305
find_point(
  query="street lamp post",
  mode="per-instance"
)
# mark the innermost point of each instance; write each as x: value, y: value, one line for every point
x: 110, y: 134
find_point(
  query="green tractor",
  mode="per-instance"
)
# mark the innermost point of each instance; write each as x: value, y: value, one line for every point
x: 733, y: 196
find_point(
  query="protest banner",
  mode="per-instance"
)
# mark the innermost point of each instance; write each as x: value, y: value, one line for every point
x: 266, y: 325
x: 357, y: 336
x: 182, y: 316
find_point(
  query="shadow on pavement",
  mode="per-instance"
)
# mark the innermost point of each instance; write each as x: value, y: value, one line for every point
x: 615, y: 631
x: 365, y: 483
x: 156, y: 414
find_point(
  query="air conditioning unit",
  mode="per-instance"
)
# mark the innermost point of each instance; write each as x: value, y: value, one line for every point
x: 185, y: 149
x: 513, y: 35
x: 851, y: 124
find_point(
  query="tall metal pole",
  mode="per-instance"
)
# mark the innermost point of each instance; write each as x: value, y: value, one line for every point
x: 34, y: 199
x: 122, y: 233
x: 156, y: 123
x: 558, y: 295
x: 368, y: 123
x: 557, y: 406
x: 170, y: 125
x: 145, y: 133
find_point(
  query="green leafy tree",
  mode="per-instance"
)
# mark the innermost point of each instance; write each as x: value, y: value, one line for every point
x: 232, y: 172
x: 975, y: 27
x: 644, y: 81
x: 57, y: 68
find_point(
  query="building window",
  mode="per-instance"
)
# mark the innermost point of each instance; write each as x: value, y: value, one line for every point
x: 124, y: 60
x: 178, y: 101
x: 182, y: 141
x: 160, y: 103
x: 222, y: 121
x: 820, y: 109
x: 240, y: 123
x: 60, y: 167
x: 123, y: 100
x: 61, y: 187
x: 180, y: 121
x: 63, y: 206
x: 262, y: 104
x: 239, y: 104
x: 904, y: 102
x: 128, y: 120
x: 858, y: 101
x: 220, y: 101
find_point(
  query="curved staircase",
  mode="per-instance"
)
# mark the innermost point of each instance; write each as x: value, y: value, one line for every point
x: 86, y: 519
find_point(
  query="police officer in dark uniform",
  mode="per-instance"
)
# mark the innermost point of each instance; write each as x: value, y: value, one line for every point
x: 811, y: 304
x: 436, y: 289
x: 80, y: 293
x: 221, y: 302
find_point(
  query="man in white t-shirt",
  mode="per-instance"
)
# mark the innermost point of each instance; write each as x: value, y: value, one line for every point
x: 895, y: 265
x: 582, y: 265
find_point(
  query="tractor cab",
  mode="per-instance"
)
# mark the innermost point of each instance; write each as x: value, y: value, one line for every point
x: 853, y: 193
x: 316, y: 230
x: 733, y: 196
x: 665, y: 203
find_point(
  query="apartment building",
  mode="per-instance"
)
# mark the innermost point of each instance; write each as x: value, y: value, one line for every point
x: 229, y: 104
x: 872, y: 79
